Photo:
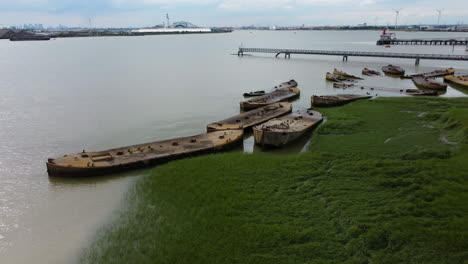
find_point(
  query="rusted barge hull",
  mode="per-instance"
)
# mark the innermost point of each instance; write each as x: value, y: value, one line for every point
x: 429, y: 83
x: 433, y: 74
x: 369, y: 72
x: 336, y: 100
x: 286, y: 129
x: 142, y: 155
x: 345, y: 75
x: 281, y: 95
x: 457, y: 79
x: 393, y: 70
x: 251, y: 118
x: 413, y: 92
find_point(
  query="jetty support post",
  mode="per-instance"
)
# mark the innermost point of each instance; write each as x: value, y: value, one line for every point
x: 417, y: 62
x: 240, y: 53
x: 277, y: 54
x: 287, y: 55
x: 345, y: 58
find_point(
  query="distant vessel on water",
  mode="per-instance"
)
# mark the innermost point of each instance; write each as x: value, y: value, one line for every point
x: 28, y: 37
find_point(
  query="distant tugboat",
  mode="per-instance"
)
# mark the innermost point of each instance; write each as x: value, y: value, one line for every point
x: 386, y: 38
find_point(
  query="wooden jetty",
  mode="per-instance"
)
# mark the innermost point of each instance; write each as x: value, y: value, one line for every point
x: 143, y: 155
x: 345, y: 54
x: 251, y: 118
x: 422, y: 41
x: 283, y: 130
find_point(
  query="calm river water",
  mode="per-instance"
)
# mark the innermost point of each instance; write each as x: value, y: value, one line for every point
x: 66, y: 95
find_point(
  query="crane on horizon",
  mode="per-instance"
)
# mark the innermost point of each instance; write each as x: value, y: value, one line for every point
x: 440, y: 14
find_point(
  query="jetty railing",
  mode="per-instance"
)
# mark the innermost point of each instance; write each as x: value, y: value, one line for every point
x: 345, y: 54
x: 434, y: 41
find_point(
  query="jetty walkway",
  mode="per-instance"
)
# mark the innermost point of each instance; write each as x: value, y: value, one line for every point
x: 345, y: 54
x: 434, y: 41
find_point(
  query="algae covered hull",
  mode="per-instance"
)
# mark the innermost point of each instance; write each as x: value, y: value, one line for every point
x: 143, y: 155
x: 283, y: 130
x: 429, y: 83
x: 460, y: 80
x: 251, y: 118
x: 336, y: 100
x: 432, y: 74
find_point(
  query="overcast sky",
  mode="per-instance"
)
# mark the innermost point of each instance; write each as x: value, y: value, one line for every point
x: 135, y: 13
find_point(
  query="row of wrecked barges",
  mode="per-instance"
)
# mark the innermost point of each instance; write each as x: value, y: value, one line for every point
x: 426, y: 83
x: 269, y: 115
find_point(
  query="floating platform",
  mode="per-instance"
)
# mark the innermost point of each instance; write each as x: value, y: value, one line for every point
x: 251, y: 118
x: 143, y: 155
x: 283, y: 130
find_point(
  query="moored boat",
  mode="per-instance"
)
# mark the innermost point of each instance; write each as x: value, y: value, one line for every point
x: 457, y: 79
x: 345, y: 75
x: 142, y: 155
x: 370, y: 72
x: 253, y: 94
x: 251, y: 118
x: 280, y: 95
x: 429, y: 83
x: 336, y: 100
x: 393, y: 70
x: 432, y: 74
x: 283, y: 130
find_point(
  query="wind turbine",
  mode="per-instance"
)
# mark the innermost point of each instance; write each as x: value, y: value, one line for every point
x: 440, y: 14
x: 397, y: 14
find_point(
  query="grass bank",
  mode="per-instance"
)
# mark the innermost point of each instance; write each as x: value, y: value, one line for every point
x: 384, y: 181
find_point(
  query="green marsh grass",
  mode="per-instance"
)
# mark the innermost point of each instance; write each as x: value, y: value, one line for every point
x: 384, y: 181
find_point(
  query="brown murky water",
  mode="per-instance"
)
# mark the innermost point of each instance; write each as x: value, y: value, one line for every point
x: 66, y: 95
